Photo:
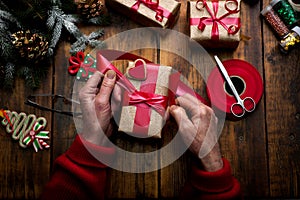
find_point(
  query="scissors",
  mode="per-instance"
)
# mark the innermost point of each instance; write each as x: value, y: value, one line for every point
x: 239, y: 108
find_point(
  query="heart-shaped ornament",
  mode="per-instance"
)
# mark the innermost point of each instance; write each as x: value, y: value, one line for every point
x: 138, y: 70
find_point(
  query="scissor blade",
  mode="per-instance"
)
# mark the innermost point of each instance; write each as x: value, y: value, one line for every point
x: 227, y: 78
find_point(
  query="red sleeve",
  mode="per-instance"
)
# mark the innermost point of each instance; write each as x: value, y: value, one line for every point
x: 212, y: 185
x: 77, y: 174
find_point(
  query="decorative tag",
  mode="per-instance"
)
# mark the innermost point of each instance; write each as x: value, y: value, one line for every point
x: 28, y: 129
x: 137, y: 71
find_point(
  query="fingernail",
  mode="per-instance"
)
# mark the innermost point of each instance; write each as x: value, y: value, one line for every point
x: 111, y: 74
x: 172, y: 108
x: 176, y: 101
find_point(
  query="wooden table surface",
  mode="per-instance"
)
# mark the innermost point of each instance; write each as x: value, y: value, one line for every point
x: 263, y: 148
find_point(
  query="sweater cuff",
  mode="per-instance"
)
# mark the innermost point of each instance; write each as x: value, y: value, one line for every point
x: 86, y: 153
x: 219, y: 181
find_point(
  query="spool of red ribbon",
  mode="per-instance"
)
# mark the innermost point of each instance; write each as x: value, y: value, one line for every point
x: 245, y: 78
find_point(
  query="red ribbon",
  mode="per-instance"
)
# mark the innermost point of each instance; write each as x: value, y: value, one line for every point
x: 176, y: 85
x: 78, y: 62
x: 214, y: 20
x: 133, y: 96
x: 160, y: 11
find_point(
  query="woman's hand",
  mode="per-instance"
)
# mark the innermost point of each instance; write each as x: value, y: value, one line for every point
x: 94, y: 100
x: 198, y: 127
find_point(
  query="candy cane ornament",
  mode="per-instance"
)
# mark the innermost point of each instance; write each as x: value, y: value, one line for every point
x: 28, y: 129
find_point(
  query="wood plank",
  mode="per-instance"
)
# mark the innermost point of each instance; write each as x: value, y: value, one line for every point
x: 63, y: 126
x: 282, y: 74
x: 23, y: 172
x: 263, y: 148
x: 237, y: 139
x: 242, y: 142
x: 241, y: 153
x: 122, y: 184
x: 173, y: 177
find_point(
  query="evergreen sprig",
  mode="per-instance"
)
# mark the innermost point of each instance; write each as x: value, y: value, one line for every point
x: 85, y: 40
x: 51, y: 18
x: 56, y: 21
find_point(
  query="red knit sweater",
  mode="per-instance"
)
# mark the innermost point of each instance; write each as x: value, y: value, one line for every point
x: 78, y: 175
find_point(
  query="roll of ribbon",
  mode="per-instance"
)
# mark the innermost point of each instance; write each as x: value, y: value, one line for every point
x: 245, y: 78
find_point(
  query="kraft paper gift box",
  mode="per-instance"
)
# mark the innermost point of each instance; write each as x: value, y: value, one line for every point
x: 152, y: 13
x: 140, y: 119
x: 215, y: 23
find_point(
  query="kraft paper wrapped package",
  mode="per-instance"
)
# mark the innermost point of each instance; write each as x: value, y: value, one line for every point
x: 152, y: 13
x: 140, y: 119
x: 215, y: 23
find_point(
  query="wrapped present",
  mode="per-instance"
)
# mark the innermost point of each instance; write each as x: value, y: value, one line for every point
x: 82, y: 66
x: 149, y: 89
x: 137, y: 116
x: 215, y: 23
x: 153, y: 13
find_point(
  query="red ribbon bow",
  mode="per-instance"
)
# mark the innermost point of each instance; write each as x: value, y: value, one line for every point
x: 157, y: 102
x: 223, y: 20
x: 160, y: 12
x: 78, y: 62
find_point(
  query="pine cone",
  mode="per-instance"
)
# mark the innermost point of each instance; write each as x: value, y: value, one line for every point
x: 90, y: 8
x: 32, y: 46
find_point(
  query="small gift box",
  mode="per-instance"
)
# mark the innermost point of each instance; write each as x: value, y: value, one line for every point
x: 215, y: 23
x: 143, y: 114
x: 153, y: 13
x: 82, y: 66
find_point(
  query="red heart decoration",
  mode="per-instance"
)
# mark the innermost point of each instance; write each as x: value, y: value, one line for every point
x: 138, y: 70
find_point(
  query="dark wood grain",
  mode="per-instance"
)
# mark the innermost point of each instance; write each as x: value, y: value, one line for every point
x: 243, y: 142
x: 282, y: 74
x: 23, y: 173
x: 63, y: 126
x: 263, y: 148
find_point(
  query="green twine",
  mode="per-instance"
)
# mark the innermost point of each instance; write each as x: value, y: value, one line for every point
x: 284, y: 11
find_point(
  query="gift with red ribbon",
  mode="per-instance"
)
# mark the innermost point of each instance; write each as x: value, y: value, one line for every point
x: 153, y: 13
x: 149, y: 89
x: 215, y: 23
x: 145, y: 99
x: 82, y: 66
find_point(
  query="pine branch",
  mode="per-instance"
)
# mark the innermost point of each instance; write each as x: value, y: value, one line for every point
x: 84, y: 40
x: 4, y: 15
x: 55, y: 37
x: 3, y: 6
x: 56, y: 21
x: 72, y: 28
x: 9, y: 75
x: 102, y: 20
x: 27, y: 11
x: 30, y: 79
